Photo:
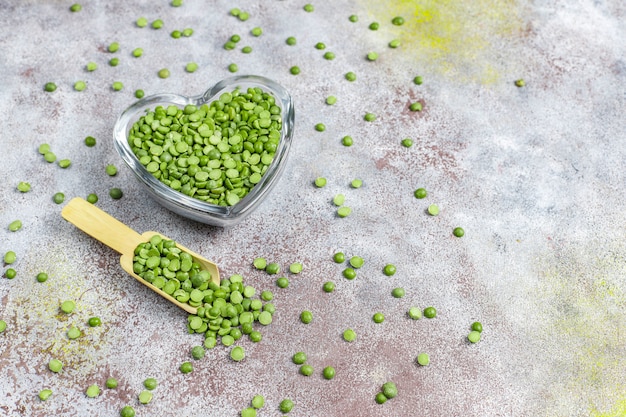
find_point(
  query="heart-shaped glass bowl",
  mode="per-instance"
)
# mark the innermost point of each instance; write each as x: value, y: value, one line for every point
x: 183, y: 204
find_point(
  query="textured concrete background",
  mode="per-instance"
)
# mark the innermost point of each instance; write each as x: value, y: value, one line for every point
x: 534, y: 175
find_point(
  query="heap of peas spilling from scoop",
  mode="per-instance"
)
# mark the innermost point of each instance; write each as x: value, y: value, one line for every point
x: 216, y: 152
x: 164, y: 265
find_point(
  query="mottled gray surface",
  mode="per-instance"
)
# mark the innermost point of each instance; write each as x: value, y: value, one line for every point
x: 534, y: 175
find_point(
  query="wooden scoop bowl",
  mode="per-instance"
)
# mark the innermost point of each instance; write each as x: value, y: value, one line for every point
x: 116, y: 235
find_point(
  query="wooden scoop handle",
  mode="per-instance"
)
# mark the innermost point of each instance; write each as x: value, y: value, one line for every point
x: 101, y: 226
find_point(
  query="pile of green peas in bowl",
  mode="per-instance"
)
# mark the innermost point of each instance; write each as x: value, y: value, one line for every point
x: 212, y: 158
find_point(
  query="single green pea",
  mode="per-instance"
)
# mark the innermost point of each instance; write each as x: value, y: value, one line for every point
x: 68, y: 306
x: 243, y: 16
x: 328, y: 372
x: 418, y: 80
x: 420, y: 193
x: 474, y: 336
x: 350, y: 76
x: 417, y: 106
x: 76, y: 7
x: 115, y: 193
x: 145, y: 397
x: 10, y: 257
x: 92, y: 198
x: 329, y: 55
x: 272, y: 268
x: 3, y: 326
x: 295, y: 70
x: 73, y: 333
x: 380, y: 398
x: 306, y: 317
x: 176, y: 3
x: 282, y: 282
x: 258, y: 401
x: 458, y: 232
x: 398, y: 292
x: 353, y: 18
x: 248, y: 412
x: 43, y: 148
x: 117, y: 86
x: 94, y: 321
x: 306, y: 370
x: 58, y: 198
x: 285, y: 405
x: 233, y: 68
x: 423, y: 359
x: 339, y: 199
x: 90, y: 141
x: 45, y: 394
x: 433, y: 209
x: 320, y: 127
x: 114, y: 62
x: 320, y: 182
x: 255, y: 336
x: 197, y: 352
x: 308, y: 8
x: 163, y: 73
x: 295, y: 267
x: 150, y: 383
x: 127, y: 411
x: 139, y: 93
x: 141, y: 22
x: 229, y: 45
x: 111, y: 170
x: 299, y: 358
x: 415, y: 313
x: 259, y: 263
x: 191, y: 67
x: 237, y: 353
x: 349, y: 273
x: 328, y: 286
x: 91, y: 66
x: 65, y: 163
x: 390, y: 390
x: 50, y: 87
x: 374, y: 26
x: 378, y: 317
x: 520, y: 82
x: 113, y: 47
x: 50, y: 157
x: 394, y: 43
x: 15, y: 225
x: 257, y: 31
x: 347, y: 141
x: 246, y: 49
x: 80, y: 85
x: 369, y: 117
x: 267, y: 295
x: 477, y: 326
x: 339, y: 257
x: 398, y: 21
x: 349, y: 335
x: 356, y: 183
x: 137, y: 52
x: 430, y: 312
x: 290, y: 41
x: 372, y: 56
x: 389, y: 270
x: 157, y: 24
x: 92, y: 391
x: 187, y: 32
x: 10, y: 273
x: 356, y: 261
x: 111, y: 383
x: 55, y: 365
x: 320, y: 45
x: 186, y: 367
x: 330, y: 100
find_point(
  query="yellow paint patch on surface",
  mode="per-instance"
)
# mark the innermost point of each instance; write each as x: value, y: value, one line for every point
x: 582, y: 303
x: 464, y: 40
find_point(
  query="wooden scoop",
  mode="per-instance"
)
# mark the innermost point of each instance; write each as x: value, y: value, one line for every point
x: 116, y: 235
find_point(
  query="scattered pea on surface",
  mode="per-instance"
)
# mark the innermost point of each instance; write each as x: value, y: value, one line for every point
x: 339, y: 257
x: 369, y: 117
x: 10, y: 273
x: 398, y: 21
x: 23, y: 187
x: 111, y: 170
x: 295, y: 267
x: 328, y: 286
x: 286, y: 405
x: 306, y: 370
x: 111, y: 383
x: 237, y: 353
x: 474, y: 336
x: 117, y: 86
x: 329, y: 55
x: 430, y: 312
x: 353, y: 18
x: 520, y: 83
x: 347, y: 141
x: 73, y: 333
x: 349, y: 273
x: 458, y: 232
x: 114, y: 62
x: 258, y: 401
x: 378, y: 317
x: 10, y: 257
x: 68, y: 306
x: 389, y: 270
x: 420, y: 193
x: 299, y: 358
x: 58, y: 198
x: 141, y: 22
x: 92, y: 391
x: 157, y: 24
x: 233, y: 67
x: 390, y: 390
x: 257, y: 31
x: 398, y: 292
x: 50, y: 87
x: 49, y: 157
x: 92, y: 198
x: 55, y: 365
x: 356, y: 183
x: 127, y: 411
x: 320, y: 127
x: 356, y: 261
x: 330, y: 100
x: 423, y: 359
x: 320, y: 182
x: 150, y: 383
x: 139, y: 93
x: 163, y: 73
x: 477, y: 326
x: 295, y: 70
x: 115, y: 193
x: 113, y: 47
x: 394, y: 43
x: 248, y: 412
x: 145, y: 397
x: 374, y: 26
x: 350, y: 76
x: 76, y: 7
x: 308, y: 8
x: 306, y: 317
x: 246, y: 49
x: 137, y: 52
x: 94, y: 321
x: 191, y: 67
x: 433, y: 209
x: 349, y: 335
x: 3, y: 326
x: 282, y: 282
x: 418, y: 80
x: 291, y: 41
x: 44, y: 394
x: 339, y: 199
x: 80, y: 85
x: 186, y: 367
x: 272, y: 268
x: 15, y: 225
x: 372, y: 56
x: 328, y: 372
x: 380, y: 398
x: 417, y: 106
x: 415, y: 313
x: 42, y: 277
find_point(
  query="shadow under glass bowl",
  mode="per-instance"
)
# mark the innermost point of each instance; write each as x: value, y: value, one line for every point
x: 191, y: 207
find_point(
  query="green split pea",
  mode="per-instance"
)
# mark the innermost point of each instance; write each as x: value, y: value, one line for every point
x: 216, y: 152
